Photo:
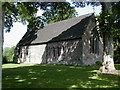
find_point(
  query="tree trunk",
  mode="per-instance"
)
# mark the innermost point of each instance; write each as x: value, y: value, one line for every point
x: 108, y: 52
x: 1, y: 45
x: 108, y: 46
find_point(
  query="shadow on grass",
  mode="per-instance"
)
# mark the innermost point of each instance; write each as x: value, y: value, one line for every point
x: 57, y: 76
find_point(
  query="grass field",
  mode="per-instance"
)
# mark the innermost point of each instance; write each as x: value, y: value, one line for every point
x: 56, y: 76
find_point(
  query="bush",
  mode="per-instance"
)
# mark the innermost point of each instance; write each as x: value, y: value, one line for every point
x: 4, y: 60
x: 8, y: 54
x: 117, y: 56
x: 117, y: 50
x: 98, y: 63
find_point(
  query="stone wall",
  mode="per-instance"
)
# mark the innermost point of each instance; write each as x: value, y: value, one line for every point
x: 89, y: 58
x: 64, y: 52
x: 72, y: 52
x: 31, y: 54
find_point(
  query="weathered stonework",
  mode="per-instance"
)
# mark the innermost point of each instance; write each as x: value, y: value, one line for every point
x: 31, y: 54
x: 88, y: 57
x: 72, y: 42
x: 69, y: 52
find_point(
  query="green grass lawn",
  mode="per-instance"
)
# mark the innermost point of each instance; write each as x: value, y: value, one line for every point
x: 56, y: 76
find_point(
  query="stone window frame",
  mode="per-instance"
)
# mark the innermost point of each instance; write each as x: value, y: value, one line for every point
x: 94, y: 44
x: 48, y: 51
x: 58, y: 51
x: 97, y: 45
x: 24, y: 54
x: 63, y: 48
x: 20, y: 48
x: 26, y: 50
x: 54, y: 53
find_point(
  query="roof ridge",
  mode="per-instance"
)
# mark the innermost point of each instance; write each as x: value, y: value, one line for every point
x: 68, y: 19
x: 63, y: 30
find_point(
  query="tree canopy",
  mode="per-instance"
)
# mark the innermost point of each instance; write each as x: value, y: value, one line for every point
x: 109, y: 19
x: 25, y: 12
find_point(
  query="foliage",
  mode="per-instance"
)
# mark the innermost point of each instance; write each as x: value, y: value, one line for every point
x: 56, y: 76
x: 116, y: 15
x: 117, y: 50
x: 18, y: 12
x: 109, y: 21
x: 25, y: 12
x: 98, y: 63
x: 8, y: 54
x: 57, y: 11
x: 109, y: 25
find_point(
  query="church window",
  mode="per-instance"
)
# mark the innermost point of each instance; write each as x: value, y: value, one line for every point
x: 54, y: 52
x: 59, y: 51
x: 94, y: 44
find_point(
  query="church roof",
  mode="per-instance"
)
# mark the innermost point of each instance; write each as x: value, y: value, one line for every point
x: 63, y: 30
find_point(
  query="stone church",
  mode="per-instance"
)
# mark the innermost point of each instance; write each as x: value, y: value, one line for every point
x: 73, y: 41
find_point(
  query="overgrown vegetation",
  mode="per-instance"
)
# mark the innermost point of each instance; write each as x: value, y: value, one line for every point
x: 56, y: 76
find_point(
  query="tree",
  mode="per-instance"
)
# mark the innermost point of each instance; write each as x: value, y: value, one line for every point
x: 8, y: 54
x: 58, y: 11
x: 109, y: 21
x: 104, y: 24
x: 1, y: 42
x: 116, y: 35
x: 109, y: 26
x: 25, y: 12
x: 117, y: 50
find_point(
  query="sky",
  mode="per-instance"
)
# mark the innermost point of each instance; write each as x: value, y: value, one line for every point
x: 18, y: 30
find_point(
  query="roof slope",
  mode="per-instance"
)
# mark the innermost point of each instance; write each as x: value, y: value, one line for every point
x: 63, y: 30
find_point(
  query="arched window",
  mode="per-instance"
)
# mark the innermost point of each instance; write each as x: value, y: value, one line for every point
x: 27, y: 50
x: 94, y: 44
x: 59, y: 51
x: 63, y: 48
x: 54, y: 52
